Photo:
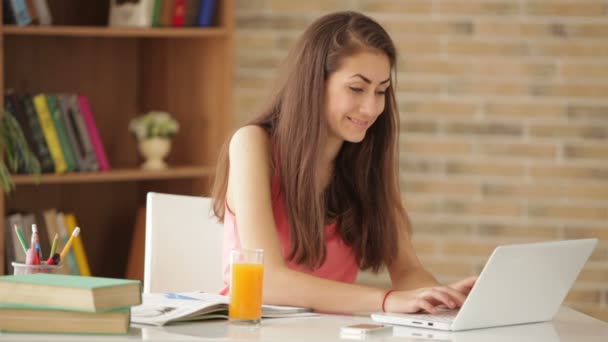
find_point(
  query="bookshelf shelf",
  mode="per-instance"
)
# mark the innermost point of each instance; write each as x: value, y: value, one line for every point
x: 117, y: 175
x: 102, y: 31
x: 123, y: 73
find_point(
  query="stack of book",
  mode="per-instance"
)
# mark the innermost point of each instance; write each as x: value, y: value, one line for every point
x: 56, y: 303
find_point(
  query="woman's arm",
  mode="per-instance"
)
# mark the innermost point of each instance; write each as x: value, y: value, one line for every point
x: 249, y: 196
x: 406, y: 271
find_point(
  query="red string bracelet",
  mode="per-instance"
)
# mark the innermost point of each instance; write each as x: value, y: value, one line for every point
x: 384, y: 299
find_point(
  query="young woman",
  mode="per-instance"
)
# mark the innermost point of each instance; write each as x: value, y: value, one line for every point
x: 313, y: 180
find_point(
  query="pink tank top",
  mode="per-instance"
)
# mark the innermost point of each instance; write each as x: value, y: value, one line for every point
x: 340, y: 263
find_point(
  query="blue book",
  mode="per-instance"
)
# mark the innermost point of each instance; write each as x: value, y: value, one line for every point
x: 20, y: 12
x: 205, y: 13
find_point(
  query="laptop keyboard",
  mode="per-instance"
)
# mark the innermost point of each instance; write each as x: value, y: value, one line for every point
x: 444, y: 316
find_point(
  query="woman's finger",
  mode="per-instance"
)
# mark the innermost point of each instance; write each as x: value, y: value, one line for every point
x: 438, y: 296
x: 421, y: 303
x: 455, y: 295
x: 464, y: 286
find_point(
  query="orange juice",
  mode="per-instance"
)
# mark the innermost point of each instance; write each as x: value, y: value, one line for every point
x: 246, y: 291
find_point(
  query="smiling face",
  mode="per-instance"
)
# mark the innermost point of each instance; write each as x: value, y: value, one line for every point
x: 355, y: 95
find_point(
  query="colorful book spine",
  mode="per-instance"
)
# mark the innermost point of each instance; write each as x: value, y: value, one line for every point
x: 50, y: 134
x: 12, y: 105
x: 44, y: 13
x: 39, y: 141
x: 179, y: 13
x: 20, y: 13
x: 158, y: 6
x: 206, y: 13
x: 87, y: 115
x: 84, y: 147
x: 70, y: 262
x: 78, y: 246
x: 60, y: 127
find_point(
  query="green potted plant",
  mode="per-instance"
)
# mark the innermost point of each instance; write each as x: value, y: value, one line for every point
x: 154, y: 131
x: 15, y: 152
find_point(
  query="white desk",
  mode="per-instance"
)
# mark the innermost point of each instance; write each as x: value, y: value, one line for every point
x: 568, y: 325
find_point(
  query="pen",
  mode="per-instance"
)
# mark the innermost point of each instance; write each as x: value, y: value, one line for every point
x: 54, y: 246
x: 30, y: 254
x: 21, y: 239
x: 69, y: 243
x: 38, y: 248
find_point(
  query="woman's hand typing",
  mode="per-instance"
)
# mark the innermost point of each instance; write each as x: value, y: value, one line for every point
x: 428, y: 298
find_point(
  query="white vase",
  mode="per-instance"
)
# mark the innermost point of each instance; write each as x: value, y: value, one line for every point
x: 154, y: 150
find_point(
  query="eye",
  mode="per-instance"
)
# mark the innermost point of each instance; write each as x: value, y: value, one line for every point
x: 381, y: 93
x: 356, y: 90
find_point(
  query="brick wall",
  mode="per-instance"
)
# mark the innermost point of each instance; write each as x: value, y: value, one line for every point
x: 504, y: 114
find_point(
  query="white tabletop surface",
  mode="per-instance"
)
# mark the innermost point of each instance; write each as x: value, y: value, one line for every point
x: 568, y: 325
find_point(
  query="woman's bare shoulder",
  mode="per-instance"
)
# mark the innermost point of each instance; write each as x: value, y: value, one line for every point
x: 250, y: 141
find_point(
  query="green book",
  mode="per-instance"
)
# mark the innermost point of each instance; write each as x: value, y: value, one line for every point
x: 66, y: 146
x: 40, y: 146
x: 69, y: 292
x: 17, y: 318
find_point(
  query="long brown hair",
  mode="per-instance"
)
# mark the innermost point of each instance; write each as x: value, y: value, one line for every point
x: 363, y: 195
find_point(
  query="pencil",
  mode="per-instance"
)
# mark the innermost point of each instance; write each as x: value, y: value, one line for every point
x: 67, y: 246
x: 54, y: 245
x: 21, y: 238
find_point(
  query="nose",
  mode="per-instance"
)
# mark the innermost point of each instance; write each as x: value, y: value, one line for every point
x: 371, y: 105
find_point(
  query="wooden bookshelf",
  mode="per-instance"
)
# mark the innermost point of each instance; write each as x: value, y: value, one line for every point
x: 85, y: 31
x: 124, y: 72
x: 120, y: 175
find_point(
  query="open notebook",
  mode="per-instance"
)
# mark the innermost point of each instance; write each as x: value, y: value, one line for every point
x: 164, y: 308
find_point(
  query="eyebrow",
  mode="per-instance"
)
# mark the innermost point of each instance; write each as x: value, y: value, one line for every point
x: 367, y: 80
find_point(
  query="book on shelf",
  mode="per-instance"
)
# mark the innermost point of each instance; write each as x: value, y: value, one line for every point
x: 70, y: 266
x: 78, y: 246
x: 16, y: 12
x: 50, y: 133
x: 26, y: 12
x: 165, y: 308
x: 69, y: 292
x: 178, y: 15
x: 166, y: 13
x: 77, y: 132
x: 32, y: 11
x: 13, y: 106
x: 60, y: 126
x: 87, y: 115
x: 17, y: 318
x: 191, y: 15
x: 41, y: 148
x: 156, y: 12
x: 44, y: 13
x: 134, y: 13
x: 206, y: 13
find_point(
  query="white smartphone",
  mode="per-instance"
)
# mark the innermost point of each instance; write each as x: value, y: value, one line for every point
x: 364, y: 329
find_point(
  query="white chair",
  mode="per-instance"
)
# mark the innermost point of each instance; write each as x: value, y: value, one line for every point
x: 183, y: 245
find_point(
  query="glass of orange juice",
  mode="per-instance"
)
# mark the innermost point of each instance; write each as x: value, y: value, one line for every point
x: 247, y: 272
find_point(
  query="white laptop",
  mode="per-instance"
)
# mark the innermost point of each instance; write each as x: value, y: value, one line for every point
x: 522, y: 283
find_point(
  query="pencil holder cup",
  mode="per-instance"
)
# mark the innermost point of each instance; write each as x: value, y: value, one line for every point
x: 20, y: 268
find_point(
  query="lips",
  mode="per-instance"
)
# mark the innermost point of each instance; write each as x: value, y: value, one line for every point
x: 359, y: 123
